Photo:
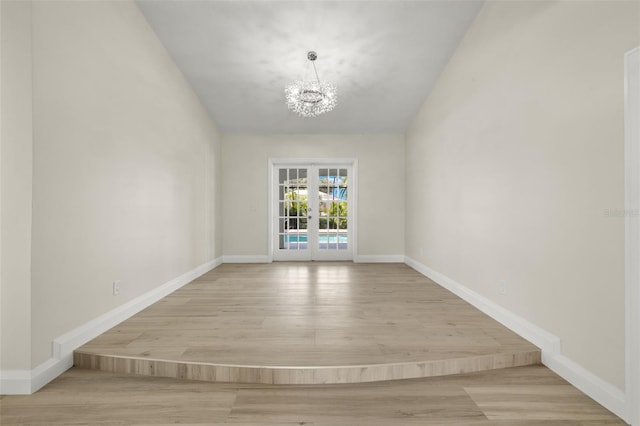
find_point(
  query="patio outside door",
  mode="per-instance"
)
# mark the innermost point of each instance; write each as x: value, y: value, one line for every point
x: 312, y: 212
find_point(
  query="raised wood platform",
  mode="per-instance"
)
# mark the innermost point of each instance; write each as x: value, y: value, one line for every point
x: 307, y: 323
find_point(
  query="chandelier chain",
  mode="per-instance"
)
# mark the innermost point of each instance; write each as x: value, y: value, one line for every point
x: 316, y: 71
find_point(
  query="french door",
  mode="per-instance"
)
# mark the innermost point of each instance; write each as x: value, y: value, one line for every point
x: 312, y: 216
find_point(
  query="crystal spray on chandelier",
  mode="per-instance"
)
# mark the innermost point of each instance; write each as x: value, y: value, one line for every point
x: 311, y: 98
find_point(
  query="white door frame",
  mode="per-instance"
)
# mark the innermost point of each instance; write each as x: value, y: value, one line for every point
x: 353, y: 191
x: 632, y: 234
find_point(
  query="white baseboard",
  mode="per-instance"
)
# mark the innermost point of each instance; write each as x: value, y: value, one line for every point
x: 536, y: 335
x: 246, y: 259
x: 77, y: 337
x: 602, y: 392
x: 379, y: 258
x: 49, y: 370
x: 20, y: 382
x: 371, y: 258
x: 15, y: 382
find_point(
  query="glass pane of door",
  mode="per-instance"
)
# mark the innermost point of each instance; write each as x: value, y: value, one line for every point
x: 333, y: 207
x: 292, y: 208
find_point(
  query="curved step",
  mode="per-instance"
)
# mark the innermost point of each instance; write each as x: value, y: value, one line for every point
x: 290, y: 375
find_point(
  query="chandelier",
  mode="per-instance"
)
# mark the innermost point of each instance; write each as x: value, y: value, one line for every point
x: 310, y: 98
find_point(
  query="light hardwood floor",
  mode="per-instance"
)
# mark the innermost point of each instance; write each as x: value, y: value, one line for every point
x: 308, y: 323
x: 300, y: 316
x: 521, y: 396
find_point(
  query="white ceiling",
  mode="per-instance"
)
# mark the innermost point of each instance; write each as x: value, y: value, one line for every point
x: 383, y: 56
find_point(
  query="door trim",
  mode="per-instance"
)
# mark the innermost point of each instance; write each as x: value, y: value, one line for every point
x: 353, y: 189
x: 632, y: 234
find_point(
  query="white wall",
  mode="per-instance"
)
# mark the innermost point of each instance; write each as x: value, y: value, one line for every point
x: 514, y: 162
x: 125, y: 168
x: 380, y: 183
x: 16, y: 146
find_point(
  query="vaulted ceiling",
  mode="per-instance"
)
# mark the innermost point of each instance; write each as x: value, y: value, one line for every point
x: 383, y: 56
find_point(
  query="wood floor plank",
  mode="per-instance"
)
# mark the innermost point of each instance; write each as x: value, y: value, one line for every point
x: 82, y: 397
x: 549, y: 402
x: 340, y: 405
